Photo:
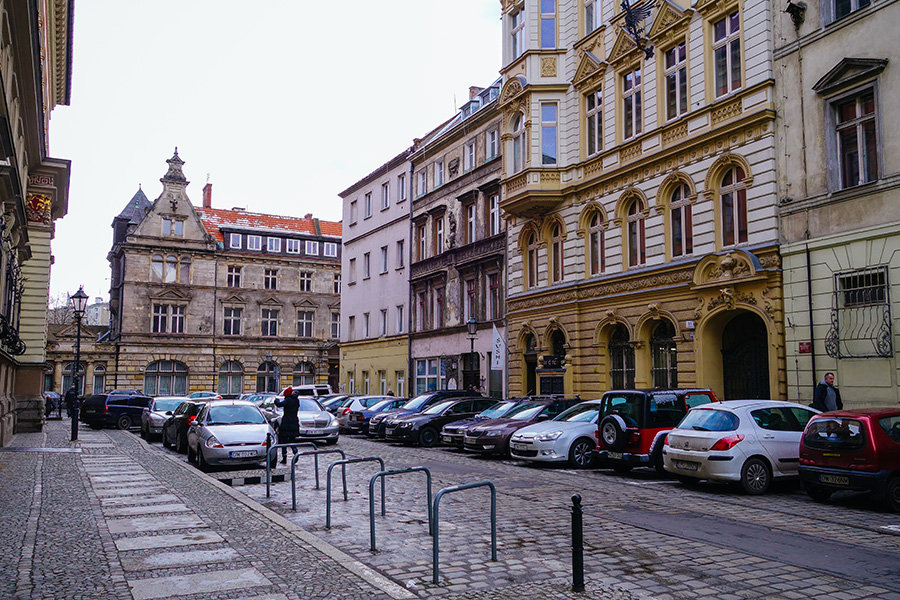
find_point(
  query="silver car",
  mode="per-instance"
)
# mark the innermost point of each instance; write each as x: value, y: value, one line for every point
x: 157, y: 413
x: 316, y: 424
x: 229, y: 432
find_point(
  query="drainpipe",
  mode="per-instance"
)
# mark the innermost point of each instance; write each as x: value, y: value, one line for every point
x: 812, y: 344
x: 409, y: 320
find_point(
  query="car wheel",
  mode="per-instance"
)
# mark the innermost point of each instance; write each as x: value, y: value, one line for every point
x: 428, y: 437
x: 330, y: 442
x: 612, y: 432
x: 143, y: 433
x: 581, y: 454
x: 656, y: 458
x: 819, y: 494
x: 688, y: 481
x: 180, y: 444
x: 124, y: 422
x: 191, y: 455
x: 201, y: 462
x: 755, y: 477
x: 892, y: 494
x: 165, y: 440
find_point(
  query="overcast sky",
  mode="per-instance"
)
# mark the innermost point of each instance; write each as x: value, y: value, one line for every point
x: 281, y: 103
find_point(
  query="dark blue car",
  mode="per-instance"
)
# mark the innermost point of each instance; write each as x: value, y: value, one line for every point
x: 358, y: 420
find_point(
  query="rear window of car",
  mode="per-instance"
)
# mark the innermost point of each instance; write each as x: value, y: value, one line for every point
x: 835, y: 433
x: 665, y: 410
x: 891, y: 426
x: 627, y: 406
x: 704, y: 419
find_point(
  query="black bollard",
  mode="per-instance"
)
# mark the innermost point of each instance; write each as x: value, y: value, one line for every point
x: 577, y: 545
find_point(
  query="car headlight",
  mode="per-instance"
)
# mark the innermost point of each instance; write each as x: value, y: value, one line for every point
x: 492, y: 433
x: 212, y: 442
x: 549, y: 436
x: 334, y: 423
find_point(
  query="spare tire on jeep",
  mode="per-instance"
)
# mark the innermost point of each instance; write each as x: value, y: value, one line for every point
x: 613, y: 432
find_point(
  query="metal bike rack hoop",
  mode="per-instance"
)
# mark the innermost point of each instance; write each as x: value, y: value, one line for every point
x: 435, y: 534
x: 269, y: 459
x: 343, y: 464
x: 382, y: 475
x: 315, y: 454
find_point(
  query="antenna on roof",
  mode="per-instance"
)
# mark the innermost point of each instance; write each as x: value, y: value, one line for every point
x: 207, y: 178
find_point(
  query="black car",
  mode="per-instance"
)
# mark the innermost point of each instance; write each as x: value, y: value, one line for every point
x: 420, y: 402
x: 452, y: 433
x: 174, y: 431
x: 113, y: 410
x: 422, y: 428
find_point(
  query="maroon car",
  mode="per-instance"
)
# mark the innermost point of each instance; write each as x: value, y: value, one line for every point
x: 492, y: 436
x: 852, y: 450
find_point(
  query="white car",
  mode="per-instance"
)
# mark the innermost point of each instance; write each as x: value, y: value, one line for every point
x: 568, y: 437
x: 749, y: 441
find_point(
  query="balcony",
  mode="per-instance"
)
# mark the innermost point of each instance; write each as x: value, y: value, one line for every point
x: 460, y: 256
x: 532, y: 193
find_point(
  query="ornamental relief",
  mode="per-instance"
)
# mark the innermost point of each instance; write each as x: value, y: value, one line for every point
x: 548, y: 66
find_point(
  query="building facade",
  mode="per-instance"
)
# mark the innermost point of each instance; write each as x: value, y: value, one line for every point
x: 458, y: 261
x: 36, y: 62
x: 839, y: 190
x: 224, y: 300
x: 640, y: 189
x: 375, y: 297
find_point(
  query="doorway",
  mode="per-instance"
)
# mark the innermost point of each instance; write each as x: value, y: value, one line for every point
x: 745, y: 358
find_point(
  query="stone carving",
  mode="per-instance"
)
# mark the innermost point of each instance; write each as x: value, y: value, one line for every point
x: 451, y: 219
x: 728, y: 298
x: 548, y: 66
x: 453, y: 167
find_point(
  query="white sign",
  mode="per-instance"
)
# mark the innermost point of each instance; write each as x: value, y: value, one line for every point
x: 498, y: 352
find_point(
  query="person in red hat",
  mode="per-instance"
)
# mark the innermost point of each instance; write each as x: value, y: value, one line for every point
x: 290, y: 423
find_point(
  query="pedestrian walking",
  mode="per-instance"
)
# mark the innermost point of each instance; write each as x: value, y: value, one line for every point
x: 48, y: 406
x: 827, y: 397
x: 71, y: 401
x: 289, y: 428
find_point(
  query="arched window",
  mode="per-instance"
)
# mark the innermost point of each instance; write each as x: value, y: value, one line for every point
x: 680, y: 219
x: 532, y: 259
x: 518, y: 143
x: 621, y: 358
x: 267, y: 377
x: 665, y: 356
x: 171, y: 269
x: 733, y: 194
x: 635, y: 233
x: 558, y: 344
x: 156, y: 268
x: 304, y: 373
x: 67, y: 378
x: 231, y: 378
x: 530, y: 356
x: 99, y: 380
x: 165, y: 378
x: 556, y: 252
x: 596, y: 244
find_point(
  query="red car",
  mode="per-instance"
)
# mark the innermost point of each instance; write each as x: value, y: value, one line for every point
x: 852, y: 450
x: 633, y: 424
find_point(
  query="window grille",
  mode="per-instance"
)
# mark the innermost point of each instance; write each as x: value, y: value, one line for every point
x: 860, y: 315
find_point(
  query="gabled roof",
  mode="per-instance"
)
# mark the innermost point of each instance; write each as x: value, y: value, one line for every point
x: 136, y: 208
x: 215, y: 220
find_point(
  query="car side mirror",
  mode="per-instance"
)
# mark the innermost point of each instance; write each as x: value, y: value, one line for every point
x: 543, y: 418
x: 168, y: 412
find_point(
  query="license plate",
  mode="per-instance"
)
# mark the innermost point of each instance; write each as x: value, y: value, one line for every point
x: 312, y: 431
x: 519, y: 446
x: 685, y: 465
x: 446, y: 439
x: 614, y: 455
x: 242, y: 453
x: 834, y: 479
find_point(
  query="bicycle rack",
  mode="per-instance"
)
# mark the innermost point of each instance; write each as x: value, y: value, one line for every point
x: 315, y: 454
x: 458, y: 488
x: 343, y: 464
x: 269, y: 459
x: 382, y: 475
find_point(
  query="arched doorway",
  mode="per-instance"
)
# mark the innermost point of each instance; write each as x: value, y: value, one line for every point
x: 530, y: 364
x: 745, y: 358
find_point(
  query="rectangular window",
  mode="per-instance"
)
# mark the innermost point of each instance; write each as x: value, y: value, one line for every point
x: 399, y: 377
x: 329, y: 249
x: 438, y: 173
x: 365, y: 325
x: 293, y: 246
x: 351, y: 325
x: 353, y: 211
x: 232, y: 321
x: 352, y: 271
x: 270, y: 279
x: 273, y: 244
x: 269, y: 322
x: 233, y: 277
x: 401, y: 254
x: 367, y: 205
x: 234, y: 240
x: 312, y: 248
x: 517, y: 32
x: 420, y: 236
x: 336, y: 283
x: 855, y: 119
x: 306, y: 281
x: 401, y: 187
x: 470, y: 299
x: 842, y: 8
x: 861, y: 315
x: 420, y: 311
x: 384, y: 259
x: 493, y: 281
x: 469, y: 156
x: 438, y: 236
x: 493, y: 215
x: 254, y: 242
x: 382, y: 325
x: 727, y: 53
x: 385, y: 195
x: 382, y: 382
x: 173, y: 227
x: 367, y: 265
x: 160, y: 318
x: 676, y: 81
x: 177, y: 325
x: 335, y: 325
x: 437, y: 311
x: 631, y: 103
x: 548, y: 23
x: 365, y: 375
x: 491, y: 138
x: 470, y: 223
x: 401, y: 325
x: 591, y: 15
x: 548, y: 133
x: 305, y: 323
x: 421, y: 179
x: 593, y: 111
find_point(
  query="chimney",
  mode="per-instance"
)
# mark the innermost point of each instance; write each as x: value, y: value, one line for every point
x: 207, y: 195
x: 308, y: 216
x: 474, y: 91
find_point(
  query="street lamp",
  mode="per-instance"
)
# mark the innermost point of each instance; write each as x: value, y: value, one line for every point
x: 472, y: 327
x: 79, y: 303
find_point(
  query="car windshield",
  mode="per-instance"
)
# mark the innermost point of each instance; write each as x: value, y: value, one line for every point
x: 835, y: 433
x: 704, y: 419
x: 438, y: 408
x: 501, y: 409
x: 580, y: 413
x: 381, y: 405
x: 166, y: 405
x: 526, y: 411
x: 417, y: 402
x: 235, y: 415
x: 309, y: 405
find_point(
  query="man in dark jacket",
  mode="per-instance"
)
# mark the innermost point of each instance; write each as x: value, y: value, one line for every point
x: 827, y: 397
x: 289, y: 428
x: 72, y: 402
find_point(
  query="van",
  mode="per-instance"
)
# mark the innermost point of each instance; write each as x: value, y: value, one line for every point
x: 113, y: 410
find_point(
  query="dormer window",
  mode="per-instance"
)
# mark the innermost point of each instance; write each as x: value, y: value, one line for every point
x: 173, y: 227
x: 234, y: 240
x: 254, y: 242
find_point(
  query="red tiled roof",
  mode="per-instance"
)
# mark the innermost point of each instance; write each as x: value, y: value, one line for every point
x: 215, y: 219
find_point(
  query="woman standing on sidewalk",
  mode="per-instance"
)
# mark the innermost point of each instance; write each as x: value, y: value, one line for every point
x: 289, y: 428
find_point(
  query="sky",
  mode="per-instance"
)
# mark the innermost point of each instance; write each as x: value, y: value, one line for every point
x: 281, y: 104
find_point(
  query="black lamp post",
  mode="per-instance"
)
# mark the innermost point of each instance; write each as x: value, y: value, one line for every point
x: 79, y: 303
x: 472, y: 327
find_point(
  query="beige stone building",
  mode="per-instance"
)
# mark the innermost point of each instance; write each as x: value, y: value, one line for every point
x: 639, y: 185
x: 226, y: 300
x: 839, y: 191
x: 36, y: 63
